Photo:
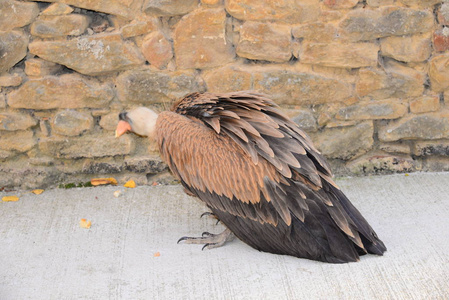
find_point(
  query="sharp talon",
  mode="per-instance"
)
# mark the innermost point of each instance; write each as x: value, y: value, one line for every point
x: 205, y: 214
x: 182, y: 239
x: 218, y: 221
x: 205, y: 246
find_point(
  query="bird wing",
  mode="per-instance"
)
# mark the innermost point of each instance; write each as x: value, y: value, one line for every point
x: 241, y: 155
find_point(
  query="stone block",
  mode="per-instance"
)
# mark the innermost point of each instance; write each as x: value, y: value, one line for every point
x: 372, y: 110
x: 102, y: 166
x: 345, y: 142
x: 439, y: 72
x: 428, y: 126
x: 365, y: 24
x: 413, y: 48
x: 59, y: 26
x: 441, y: 39
x: 72, y: 123
x: 12, y: 121
x: 389, y: 83
x: 36, y: 67
x: 421, y: 3
x: 289, y: 11
x: 315, y: 32
x: 430, y: 148
x: 90, y: 55
x: 200, y: 40
x: 383, y: 164
x: 340, y: 4
x: 86, y: 146
x: 15, y: 14
x: 297, y: 88
x: 443, y: 14
x: 157, y: 50
x: 13, y: 48
x: 227, y: 79
x: 140, y: 27
x: 147, y: 86
x: 395, y: 148
x: 425, y: 104
x: 57, y: 9
x: 10, y: 80
x: 265, y: 41
x: 347, y: 55
x: 45, y: 93
x: 377, y: 3
x: 20, y: 141
x: 150, y: 164
x: 305, y: 120
x: 169, y: 8
x: 109, y: 121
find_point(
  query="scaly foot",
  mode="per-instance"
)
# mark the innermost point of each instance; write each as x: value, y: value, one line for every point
x: 209, y: 240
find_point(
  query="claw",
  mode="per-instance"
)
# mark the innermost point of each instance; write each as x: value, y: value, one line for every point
x: 206, y: 214
x: 209, y: 240
x: 181, y: 239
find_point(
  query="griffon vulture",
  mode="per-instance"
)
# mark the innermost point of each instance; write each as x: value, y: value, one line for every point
x: 259, y: 174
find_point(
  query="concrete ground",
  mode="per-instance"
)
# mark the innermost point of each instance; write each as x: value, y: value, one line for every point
x: 45, y: 254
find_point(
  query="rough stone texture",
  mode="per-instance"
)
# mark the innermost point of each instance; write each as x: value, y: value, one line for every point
x: 15, y: 14
x: 425, y: 104
x: 10, y: 80
x: 383, y: 109
x: 263, y: 41
x: 88, y: 146
x: 125, y: 9
x: 57, y: 9
x: 157, y: 50
x: 289, y: 87
x: 288, y: 11
x: 145, y: 164
x: 13, y: 47
x: 378, y: 84
x: 422, y: 3
x: 20, y: 141
x: 58, y: 26
x: 346, y: 55
x: 147, y: 86
x: 443, y: 14
x: 139, y: 27
x: 169, y: 8
x: 344, y: 146
x: 340, y: 4
x: 109, y: 121
x: 200, y: 40
x: 414, y: 48
x: 395, y: 148
x: 428, y: 148
x: 227, y: 79
x: 441, y: 39
x: 439, y: 72
x: 72, y: 123
x: 365, y: 24
x: 90, y: 55
x: 423, y: 126
x: 305, y: 120
x: 12, y: 121
x: 36, y: 67
x: 316, y: 32
x: 377, y: 3
x: 46, y: 93
x: 383, y: 164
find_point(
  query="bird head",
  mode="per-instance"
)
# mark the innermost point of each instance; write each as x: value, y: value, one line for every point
x: 141, y: 121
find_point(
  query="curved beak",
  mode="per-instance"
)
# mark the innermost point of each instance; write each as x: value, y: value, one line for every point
x: 122, y: 127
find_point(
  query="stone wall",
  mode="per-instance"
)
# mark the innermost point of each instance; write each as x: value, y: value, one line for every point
x: 368, y: 80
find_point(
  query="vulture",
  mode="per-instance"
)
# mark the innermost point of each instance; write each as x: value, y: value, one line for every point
x: 258, y: 173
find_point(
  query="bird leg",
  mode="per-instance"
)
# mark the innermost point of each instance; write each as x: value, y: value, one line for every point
x: 209, y: 240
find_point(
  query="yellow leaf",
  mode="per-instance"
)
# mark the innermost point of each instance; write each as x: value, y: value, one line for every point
x: 37, y: 192
x: 85, y: 224
x: 10, y: 198
x: 130, y: 184
x: 103, y: 181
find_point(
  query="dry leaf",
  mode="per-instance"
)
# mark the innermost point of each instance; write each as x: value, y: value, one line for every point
x: 130, y: 184
x: 10, y: 198
x: 103, y: 181
x: 157, y: 254
x: 117, y: 194
x: 37, y: 192
x: 85, y: 224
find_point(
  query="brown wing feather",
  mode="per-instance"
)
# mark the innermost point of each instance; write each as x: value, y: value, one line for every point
x: 241, y: 156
